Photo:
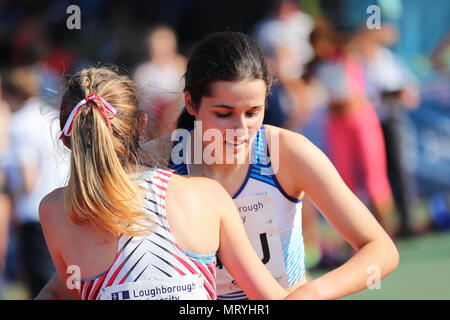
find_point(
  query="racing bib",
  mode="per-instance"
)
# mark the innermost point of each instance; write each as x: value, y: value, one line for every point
x: 188, y: 287
x: 258, y: 216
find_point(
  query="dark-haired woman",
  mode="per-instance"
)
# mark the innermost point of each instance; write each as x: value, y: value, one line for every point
x: 267, y: 170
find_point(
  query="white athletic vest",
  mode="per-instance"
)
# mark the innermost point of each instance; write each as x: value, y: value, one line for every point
x: 271, y: 218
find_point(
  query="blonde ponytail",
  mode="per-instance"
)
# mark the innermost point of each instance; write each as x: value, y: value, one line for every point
x: 100, y: 189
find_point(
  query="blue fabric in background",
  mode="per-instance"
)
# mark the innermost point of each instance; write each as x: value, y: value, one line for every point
x: 428, y: 149
x: 422, y: 24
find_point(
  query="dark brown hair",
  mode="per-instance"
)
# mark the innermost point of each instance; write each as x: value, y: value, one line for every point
x: 223, y: 56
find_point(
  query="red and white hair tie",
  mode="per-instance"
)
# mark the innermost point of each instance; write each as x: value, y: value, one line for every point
x: 105, y: 106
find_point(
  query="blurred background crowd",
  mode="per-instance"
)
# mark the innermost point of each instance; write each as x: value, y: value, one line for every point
x: 375, y: 100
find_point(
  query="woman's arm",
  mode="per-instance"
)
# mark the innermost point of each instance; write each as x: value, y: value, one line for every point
x: 50, y: 210
x: 317, y: 177
x: 53, y: 290
x: 237, y: 254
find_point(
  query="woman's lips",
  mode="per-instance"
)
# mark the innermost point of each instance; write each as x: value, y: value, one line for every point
x: 236, y: 146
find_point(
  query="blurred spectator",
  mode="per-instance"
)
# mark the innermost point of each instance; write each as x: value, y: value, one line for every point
x: 354, y: 135
x: 288, y: 27
x: 5, y: 198
x: 284, y: 38
x: 160, y: 82
x: 441, y: 56
x: 313, y: 126
x: 40, y: 166
x: 391, y: 88
x: 59, y: 59
x: 28, y: 41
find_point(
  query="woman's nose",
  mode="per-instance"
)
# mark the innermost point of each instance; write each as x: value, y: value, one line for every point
x: 240, y: 127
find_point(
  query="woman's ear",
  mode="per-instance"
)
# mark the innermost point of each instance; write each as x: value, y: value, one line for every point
x: 143, y: 120
x: 189, y: 105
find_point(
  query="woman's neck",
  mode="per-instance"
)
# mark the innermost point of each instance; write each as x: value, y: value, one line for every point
x: 135, y: 170
x: 218, y: 171
x: 231, y: 177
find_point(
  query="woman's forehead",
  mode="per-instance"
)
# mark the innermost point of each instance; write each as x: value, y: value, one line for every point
x: 235, y: 91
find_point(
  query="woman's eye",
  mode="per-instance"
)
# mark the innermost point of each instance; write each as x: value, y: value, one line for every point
x: 251, y: 114
x: 222, y: 115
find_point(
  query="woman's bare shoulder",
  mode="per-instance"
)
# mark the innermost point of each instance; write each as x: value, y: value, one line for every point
x: 294, y: 158
x: 198, y: 187
x: 52, y: 207
x: 54, y: 198
x: 199, y: 193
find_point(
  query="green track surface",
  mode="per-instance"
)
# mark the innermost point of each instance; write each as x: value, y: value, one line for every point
x: 423, y: 272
